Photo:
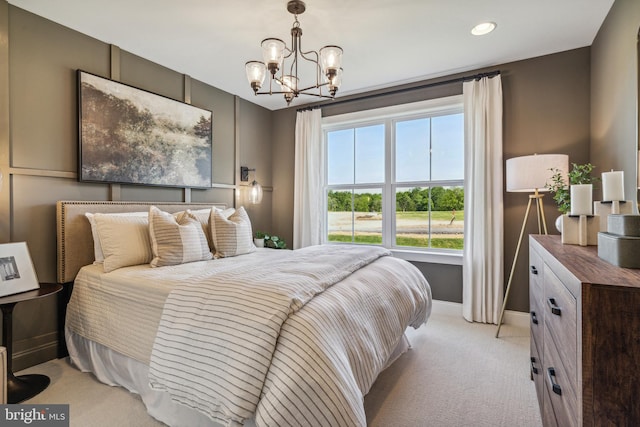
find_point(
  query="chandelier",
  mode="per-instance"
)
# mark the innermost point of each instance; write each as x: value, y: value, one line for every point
x: 275, y: 52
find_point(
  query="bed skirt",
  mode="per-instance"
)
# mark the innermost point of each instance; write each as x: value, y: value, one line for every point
x: 115, y: 369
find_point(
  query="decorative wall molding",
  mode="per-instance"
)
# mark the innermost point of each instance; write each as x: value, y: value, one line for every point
x: 35, y: 350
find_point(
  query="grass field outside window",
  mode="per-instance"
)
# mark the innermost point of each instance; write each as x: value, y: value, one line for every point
x: 412, y: 229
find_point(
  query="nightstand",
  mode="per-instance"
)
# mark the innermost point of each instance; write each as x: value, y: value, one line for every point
x: 25, y: 386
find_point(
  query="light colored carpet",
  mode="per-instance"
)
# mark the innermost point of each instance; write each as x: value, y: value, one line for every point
x: 457, y: 374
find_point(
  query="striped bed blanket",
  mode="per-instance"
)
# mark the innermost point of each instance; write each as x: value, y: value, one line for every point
x: 293, y: 342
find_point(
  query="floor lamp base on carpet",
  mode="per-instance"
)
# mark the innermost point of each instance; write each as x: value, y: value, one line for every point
x: 540, y: 211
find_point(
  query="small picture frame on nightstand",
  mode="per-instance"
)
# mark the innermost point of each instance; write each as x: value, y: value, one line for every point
x: 16, y: 269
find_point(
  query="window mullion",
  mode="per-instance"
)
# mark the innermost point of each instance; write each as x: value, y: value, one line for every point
x: 388, y: 216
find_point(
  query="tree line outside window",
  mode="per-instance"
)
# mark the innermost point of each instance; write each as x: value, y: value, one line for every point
x: 416, y: 199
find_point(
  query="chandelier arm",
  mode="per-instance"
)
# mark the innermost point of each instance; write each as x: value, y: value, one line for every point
x: 320, y: 85
x: 301, y: 93
x: 317, y: 95
x: 315, y: 61
x: 278, y: 92
x: 270, y: 84
x: 294, y: 65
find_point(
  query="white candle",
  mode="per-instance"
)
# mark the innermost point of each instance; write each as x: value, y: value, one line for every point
x: 613, y: 186
x: 581, y: 199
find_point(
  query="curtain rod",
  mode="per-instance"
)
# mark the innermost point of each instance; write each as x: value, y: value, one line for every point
x: 402, y: 90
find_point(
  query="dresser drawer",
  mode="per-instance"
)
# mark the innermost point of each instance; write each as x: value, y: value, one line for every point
x: 536, y: 297
x: 536, y: 320
x: 537, y: 372
x: 536, y: 277
x: 546, y: 409
x: 560, y: 387
x: 560, y: 322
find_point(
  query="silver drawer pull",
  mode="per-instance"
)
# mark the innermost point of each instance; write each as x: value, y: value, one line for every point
x: 551, y: 375
x: 555, y: 309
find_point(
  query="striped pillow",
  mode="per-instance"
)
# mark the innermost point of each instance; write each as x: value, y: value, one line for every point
x: 231, y: 236
x: 204, y: 216
x: 176, y: 240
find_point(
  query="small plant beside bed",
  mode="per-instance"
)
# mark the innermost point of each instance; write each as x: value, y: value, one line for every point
x: 264, y: 240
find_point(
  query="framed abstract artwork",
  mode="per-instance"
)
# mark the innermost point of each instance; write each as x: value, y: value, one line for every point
x: 131, y: 136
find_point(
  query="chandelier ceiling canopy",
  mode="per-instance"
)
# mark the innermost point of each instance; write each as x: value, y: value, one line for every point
x: 326, y: 63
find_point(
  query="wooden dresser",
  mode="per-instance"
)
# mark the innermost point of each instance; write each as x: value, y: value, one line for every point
x: 585, y: 336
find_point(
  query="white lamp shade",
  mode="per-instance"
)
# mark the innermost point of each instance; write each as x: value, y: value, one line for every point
x: 530, y: 173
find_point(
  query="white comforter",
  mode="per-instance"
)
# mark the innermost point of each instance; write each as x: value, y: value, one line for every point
x: 285, y: 337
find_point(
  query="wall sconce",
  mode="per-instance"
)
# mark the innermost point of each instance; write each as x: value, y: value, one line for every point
x: 255, y: 189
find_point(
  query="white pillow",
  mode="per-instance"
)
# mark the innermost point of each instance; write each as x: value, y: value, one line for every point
x: 97, y: 247
x: 231, y: 236
x: 124, y: 240
x: 176, y: 240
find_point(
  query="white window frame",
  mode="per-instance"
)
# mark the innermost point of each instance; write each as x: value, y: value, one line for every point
x: 389, y: 116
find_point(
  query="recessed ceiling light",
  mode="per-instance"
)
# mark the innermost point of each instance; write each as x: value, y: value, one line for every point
x: 483, y: 28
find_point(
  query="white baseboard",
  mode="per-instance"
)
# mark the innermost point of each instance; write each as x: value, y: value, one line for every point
x: 516, y: 318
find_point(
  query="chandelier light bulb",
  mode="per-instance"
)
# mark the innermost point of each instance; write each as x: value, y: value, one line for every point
x: 335, y: 81
x: 256, y: 72
x: 273, y: 54
x: 330, y: 58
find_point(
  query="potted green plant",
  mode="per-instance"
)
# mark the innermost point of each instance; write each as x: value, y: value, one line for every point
x: 559, y: 187
x: 258, y: 239
x: 274, y: 242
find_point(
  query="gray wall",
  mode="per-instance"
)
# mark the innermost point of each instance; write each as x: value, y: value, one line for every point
x: 38, y: 148
x: 614, y: 93
x: 546, y: 110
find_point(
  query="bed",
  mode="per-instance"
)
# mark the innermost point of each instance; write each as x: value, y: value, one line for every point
x: 251, y: 337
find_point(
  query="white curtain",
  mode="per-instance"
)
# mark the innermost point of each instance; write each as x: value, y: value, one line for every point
x: 308, y: 200
x: 483, y: 274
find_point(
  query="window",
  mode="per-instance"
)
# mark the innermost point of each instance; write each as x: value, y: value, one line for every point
x: 395, y: 177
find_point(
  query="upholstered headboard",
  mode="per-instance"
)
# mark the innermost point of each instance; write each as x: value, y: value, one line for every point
x: 75, y: 242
